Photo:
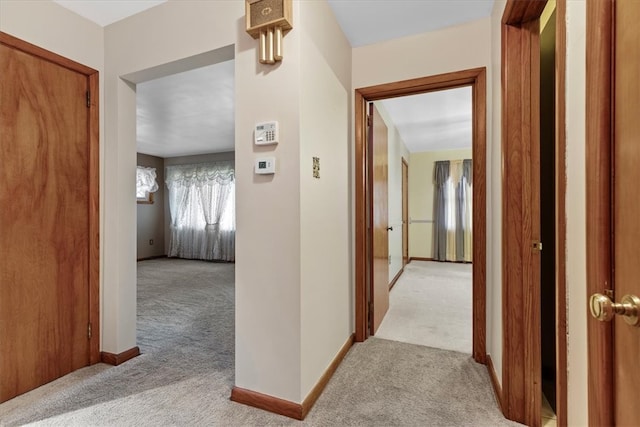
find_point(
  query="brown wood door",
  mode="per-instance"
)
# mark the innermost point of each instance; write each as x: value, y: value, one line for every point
x: 626, y: 213
x: 405, y: 213
x: 44, y: 221
x: 613, y: 229
x: 378, y: 161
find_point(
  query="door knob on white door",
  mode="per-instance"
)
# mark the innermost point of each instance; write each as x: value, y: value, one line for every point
x: 603, y: 309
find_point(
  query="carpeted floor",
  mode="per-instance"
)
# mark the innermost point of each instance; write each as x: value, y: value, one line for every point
x: 185, y: 374
x: 430, y: 305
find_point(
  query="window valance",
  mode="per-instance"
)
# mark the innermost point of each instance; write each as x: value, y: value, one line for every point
x: 200, y: 174
x: 145, y: 181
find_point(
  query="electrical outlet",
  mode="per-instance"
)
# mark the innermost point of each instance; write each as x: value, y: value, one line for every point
x: 150, y: 241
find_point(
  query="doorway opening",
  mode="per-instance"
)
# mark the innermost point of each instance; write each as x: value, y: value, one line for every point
x: 186, y: 217
x: 533, y: 196
x: 548, y: 290
x: 476, y: 80
x: 430, y: 300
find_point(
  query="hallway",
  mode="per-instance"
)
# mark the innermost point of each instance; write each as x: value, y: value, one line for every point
x: 430, y: 305
x: 185, y: 374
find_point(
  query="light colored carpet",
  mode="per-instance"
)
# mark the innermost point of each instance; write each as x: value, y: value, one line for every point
x: 185, y: 374
x: 430, y: 305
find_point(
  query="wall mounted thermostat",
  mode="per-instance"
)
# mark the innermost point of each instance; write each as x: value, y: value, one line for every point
x: 265, y: 166
x: 266, y: 133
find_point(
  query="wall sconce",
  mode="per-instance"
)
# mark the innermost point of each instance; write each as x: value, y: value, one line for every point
x: 268, y: 20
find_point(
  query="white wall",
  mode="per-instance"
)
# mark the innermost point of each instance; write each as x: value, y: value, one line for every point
x: 61, y: 31
x: 396, y: 151
x: 269, y: 277
x: 576, y: 221
x: 421, y: 196
x: 282, y: 287
x: 325, y: 86
x: 494, y: 196
x: 267, y: 280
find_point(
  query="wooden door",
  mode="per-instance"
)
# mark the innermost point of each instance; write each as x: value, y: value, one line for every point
x: 613, y: 230
x: 47, y: 218
x: 378, y: 160
x: 405, y: 213
x: 626, y: 212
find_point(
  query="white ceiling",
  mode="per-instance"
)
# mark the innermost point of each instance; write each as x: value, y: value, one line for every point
x: 105, y: 12
x: 372, y: 21
x: 192, y: 112
x: 433, y: 121
x: 187, y: 113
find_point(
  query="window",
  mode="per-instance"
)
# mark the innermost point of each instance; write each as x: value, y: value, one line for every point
x: 146, y: 184
x: 202, y: 207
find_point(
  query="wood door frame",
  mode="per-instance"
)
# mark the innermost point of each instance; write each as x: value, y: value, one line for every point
x: 405, y: 192
x: 599, y: 168
x: 93, y: 178
x: 521, y: 360
x: 476, y: 78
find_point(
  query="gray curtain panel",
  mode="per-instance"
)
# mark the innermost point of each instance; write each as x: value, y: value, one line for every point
x: 460, y: 220
x: 441, y: 174
x: 467, y: 175
x: 467, y: 170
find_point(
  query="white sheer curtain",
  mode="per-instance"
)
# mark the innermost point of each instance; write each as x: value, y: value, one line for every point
x: 202, y: 207
x: 145, y: 181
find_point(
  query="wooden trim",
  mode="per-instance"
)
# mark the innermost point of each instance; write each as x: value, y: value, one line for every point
x: 476, y: 78
x: 360, y: 213
x: 417, y: 258
x: 267, y: 403
x: 93, y: 213
x: 479, y: 154
x: 120, y: 358
x: 146, y: 201
x: 94, y: 218
x: 406, y: 260
x: 420, y: 85
x: 47, y: 55
x: 517, y: 12
x: 313, y: 395
x: 151, y: 257
x: 599, y: 130
x: 561, y: 220
x: 531, y: 231
x: 287, y: 408
x: 521, y: 360
x: 395, y: 279
x: 521, y: 341
x: 497, y: 389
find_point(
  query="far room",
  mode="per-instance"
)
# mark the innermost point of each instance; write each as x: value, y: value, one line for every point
x: 430, y: 217
x: 185, y: 191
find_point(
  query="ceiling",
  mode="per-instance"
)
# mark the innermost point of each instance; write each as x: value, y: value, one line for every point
x: 433, y: 121
x: 373, y: 21
x: 105, y: 12
x: 187, y: 113
x: 193, y: 112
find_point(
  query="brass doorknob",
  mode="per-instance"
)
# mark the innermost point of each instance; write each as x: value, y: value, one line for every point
x: 603, y: 309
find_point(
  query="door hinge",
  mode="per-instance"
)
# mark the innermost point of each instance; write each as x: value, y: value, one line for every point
x: 89, y: 331
x: 369, y: 120
x: 536, y: 246
x: 88, y: 99
x: 370, y: 315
